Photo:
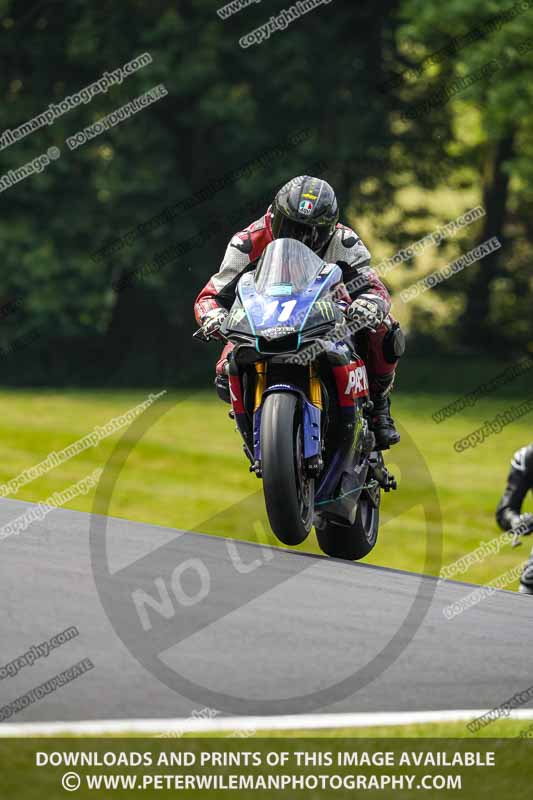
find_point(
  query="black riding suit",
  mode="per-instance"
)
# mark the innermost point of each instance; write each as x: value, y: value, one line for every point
x: 509, y: 512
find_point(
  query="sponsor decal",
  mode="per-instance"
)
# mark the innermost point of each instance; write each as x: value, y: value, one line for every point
x: 352, y: 382
x: 306, y: 207
x: 280, y: 288
x: 357, y: 385
x: 325, y: 308
x: 288, y: 387
x: 277, y: 332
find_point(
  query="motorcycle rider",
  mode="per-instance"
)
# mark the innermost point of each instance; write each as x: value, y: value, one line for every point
x: 306, y: 209
x: 509, y: 514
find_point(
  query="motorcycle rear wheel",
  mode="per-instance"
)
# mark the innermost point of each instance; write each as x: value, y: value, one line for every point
x: 289, y: 494
x: 351, y: 542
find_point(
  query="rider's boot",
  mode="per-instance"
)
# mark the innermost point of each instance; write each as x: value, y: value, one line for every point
x: 381, y: 422
x: 526, y: 578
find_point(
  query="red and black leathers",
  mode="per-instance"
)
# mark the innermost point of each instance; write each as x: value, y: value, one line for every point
x: 344, y: 248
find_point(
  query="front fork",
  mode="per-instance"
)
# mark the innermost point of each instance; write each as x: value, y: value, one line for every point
x: 315, y: 388
x: 312, y: 406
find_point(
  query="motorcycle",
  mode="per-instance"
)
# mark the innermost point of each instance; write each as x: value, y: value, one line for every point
x: 300, y: 399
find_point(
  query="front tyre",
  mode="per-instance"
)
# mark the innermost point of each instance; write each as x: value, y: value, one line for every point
x: 289, y: 494
x: 351, y: 542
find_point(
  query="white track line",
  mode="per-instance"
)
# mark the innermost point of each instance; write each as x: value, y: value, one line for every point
x: 294, y: 722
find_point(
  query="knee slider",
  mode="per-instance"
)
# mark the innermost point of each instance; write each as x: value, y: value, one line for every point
x: 222, y: 388
x: 393, y: 343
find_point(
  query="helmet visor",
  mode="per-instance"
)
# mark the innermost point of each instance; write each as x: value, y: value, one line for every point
x: 314, y: 236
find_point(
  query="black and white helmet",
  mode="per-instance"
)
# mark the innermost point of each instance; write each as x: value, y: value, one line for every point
x: 305, y: 209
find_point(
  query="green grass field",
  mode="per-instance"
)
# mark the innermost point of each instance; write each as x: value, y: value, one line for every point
x: 188, y: 471
x: 500, y: 729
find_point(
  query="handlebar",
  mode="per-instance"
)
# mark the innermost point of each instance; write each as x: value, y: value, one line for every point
x: 201, y: 336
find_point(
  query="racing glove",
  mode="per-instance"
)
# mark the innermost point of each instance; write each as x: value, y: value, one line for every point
x: 212, y: 322
x: 366, y: 310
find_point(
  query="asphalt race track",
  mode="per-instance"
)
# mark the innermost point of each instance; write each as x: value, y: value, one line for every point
x: 277, y: 631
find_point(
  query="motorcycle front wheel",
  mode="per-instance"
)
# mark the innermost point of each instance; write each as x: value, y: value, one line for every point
x: 289, y: 494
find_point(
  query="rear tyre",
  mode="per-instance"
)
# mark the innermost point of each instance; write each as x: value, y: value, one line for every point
x: 289, y: 495
x: 351, y: 542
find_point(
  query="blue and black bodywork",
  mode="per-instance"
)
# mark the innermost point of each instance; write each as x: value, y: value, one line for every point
x: 291, y: 337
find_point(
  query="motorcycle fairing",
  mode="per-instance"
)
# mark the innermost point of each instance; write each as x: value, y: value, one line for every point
x: 310, y: 421
x: 298, y: 301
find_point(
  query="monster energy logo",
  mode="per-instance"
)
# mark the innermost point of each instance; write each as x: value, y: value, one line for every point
x: 326, y: 309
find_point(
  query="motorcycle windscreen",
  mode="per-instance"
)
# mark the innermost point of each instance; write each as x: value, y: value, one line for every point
x: 280, y: 297
x: 287, y: 267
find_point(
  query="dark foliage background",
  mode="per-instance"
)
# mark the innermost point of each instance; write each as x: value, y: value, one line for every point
x: 349, y: 74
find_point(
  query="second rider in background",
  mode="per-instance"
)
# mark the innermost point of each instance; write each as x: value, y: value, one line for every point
x: 509, y: 512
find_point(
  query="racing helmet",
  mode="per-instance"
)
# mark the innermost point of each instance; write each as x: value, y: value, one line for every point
x: 305, y: 209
